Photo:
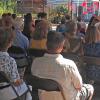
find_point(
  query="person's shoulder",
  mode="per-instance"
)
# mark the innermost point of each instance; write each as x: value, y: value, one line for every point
x: 24, y: 37
x: 68, y: 62
x: 9, y: 59
x: 37, y: 59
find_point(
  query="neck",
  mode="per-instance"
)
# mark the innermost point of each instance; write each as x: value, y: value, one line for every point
x: 3, y: 50
x: 52, y: 52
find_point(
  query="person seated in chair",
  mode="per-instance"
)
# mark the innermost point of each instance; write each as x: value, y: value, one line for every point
x: 54, y: 66
x: 9, y: 67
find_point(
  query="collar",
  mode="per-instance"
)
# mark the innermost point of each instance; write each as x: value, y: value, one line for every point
x: 53, y: 55
x: 4, y: 53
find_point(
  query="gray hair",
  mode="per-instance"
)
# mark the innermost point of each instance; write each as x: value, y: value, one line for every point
x: 54, y: 39
x: 6, y: 37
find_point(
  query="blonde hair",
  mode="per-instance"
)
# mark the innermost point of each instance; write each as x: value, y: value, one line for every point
x: 93, y: 34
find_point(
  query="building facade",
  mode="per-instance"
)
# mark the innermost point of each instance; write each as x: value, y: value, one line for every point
x: 30, y: 6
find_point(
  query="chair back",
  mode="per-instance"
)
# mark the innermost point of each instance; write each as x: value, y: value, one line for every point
x: 36, y: 52
x: 91, y: 60
x: 92, y: 66
x: 44, y: 84
x: 19, y: 55
x: 21, y: 59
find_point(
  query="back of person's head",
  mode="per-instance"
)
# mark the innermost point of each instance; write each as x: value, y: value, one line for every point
x: 79, y: 19
x: 71, y: 27
x: 6, y: 38
x: 14, y: 16
x: 28, y: 18
x: 91, y: 19
x: 55, y: 40
x: 39, y: 15
x: 67, y: 17
x: 41, y: 30
x: 90, y: 36
x: 27, y: 22
x: 63, y: 21
x: 95, y: 20
x: 9, y: 14
x: 42, y: 15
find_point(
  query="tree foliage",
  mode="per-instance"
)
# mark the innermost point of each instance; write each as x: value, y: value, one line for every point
x: 57, y: 12
x: 7, y: 6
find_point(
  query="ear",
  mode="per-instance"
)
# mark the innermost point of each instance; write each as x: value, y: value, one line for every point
x: 61, y: 46
x: 9, y: 45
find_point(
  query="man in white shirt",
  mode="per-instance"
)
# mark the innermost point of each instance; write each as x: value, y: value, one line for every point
x: 53, y: 66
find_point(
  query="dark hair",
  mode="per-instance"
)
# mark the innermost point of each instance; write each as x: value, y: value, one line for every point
x: 6, y: 37
x: 67, y: 17
x: 63, y: 21
x: 91, y: 19
x: 14, y: 16
x: 9, y: 14
x: 79, y: 18
x: 90, y: 36
x: 27, y: 20
x: 6, y: 14
x: 54, y: 39
x: 42, y: 15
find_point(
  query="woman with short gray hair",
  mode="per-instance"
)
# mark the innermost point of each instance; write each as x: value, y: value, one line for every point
x: 9, y: 67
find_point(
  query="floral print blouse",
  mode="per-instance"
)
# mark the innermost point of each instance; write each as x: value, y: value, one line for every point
x: 8, y: 65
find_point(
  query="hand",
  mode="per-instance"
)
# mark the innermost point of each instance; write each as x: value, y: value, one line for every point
x: 18, y: 82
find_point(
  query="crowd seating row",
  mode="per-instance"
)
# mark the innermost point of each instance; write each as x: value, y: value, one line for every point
x: 24, y: 60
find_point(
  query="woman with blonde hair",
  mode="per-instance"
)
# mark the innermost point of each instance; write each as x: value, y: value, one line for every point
x: 92, y: 48
x: 38, y: 41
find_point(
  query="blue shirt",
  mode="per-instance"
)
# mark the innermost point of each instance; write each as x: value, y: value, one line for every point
x: 61, y: 28
x: 21, y: 40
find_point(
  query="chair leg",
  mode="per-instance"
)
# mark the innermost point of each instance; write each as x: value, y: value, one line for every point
x: 35, y: 95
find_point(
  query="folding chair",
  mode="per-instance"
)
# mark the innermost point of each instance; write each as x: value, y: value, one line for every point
x: 32, y: 53
x: 43, y: 84
x: 92, y: 61
x: 21, y: 59
x: 5, y: 79
x: 36, y: 52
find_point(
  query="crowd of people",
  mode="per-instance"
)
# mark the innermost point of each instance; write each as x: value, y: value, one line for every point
x: 71, y: 36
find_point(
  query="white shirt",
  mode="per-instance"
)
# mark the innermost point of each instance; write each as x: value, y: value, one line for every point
x: 64, y: 71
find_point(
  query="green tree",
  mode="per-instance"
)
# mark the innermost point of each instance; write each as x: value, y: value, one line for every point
x: 7, y: 6
x: 61, y: 10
